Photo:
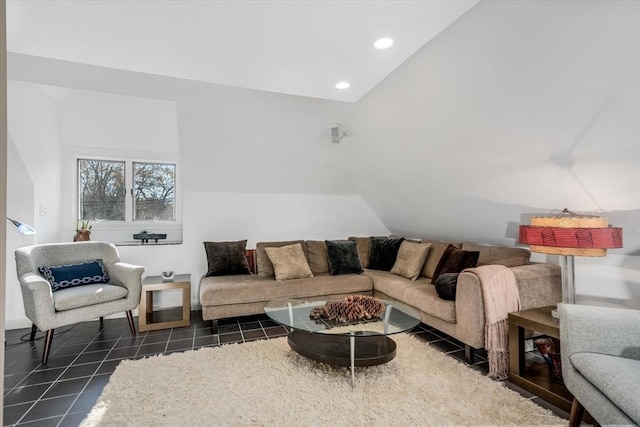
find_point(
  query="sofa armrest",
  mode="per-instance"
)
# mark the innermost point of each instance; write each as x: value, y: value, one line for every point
x: 470, y: 318
x: 604, y: 330
x: 539, y: 284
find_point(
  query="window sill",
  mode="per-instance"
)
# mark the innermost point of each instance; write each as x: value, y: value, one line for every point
x: 151, y: 243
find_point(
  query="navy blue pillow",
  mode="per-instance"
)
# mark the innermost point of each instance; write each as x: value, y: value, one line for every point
x: 67, y: 276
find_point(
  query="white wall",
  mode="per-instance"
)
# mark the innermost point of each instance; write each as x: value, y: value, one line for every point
x: 212, y: 216
x: 34, y: 126
x: 33, y: 180
x: 517, y: 108
x: 254, y: 165
x: 102, y: 125
x: 20, y: 206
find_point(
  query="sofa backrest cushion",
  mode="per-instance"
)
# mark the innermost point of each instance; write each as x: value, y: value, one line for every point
x: 434, y: 256
x: 29, y: 258
x: 363, y: 244
x: 317, y: 256
x: 501, y: 255
x: 265, y: 267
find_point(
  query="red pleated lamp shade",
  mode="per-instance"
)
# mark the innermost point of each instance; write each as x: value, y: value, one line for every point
x: 570, y: 234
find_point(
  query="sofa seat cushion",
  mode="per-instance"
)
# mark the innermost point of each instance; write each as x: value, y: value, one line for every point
x: 225, y: 290
x: 81, y: 296
x: 390, y: 284
x: 615, y: 377
x: 420, y: 294
x: 425, y: 298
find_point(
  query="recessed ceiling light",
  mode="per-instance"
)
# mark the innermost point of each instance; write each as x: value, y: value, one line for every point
x: 342, y: 85
x: 383, y: 43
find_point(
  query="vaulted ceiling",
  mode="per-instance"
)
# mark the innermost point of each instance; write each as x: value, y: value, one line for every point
x: 294, y: 47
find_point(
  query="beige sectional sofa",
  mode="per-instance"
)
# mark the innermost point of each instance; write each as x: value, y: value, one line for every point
x: 539, y: 285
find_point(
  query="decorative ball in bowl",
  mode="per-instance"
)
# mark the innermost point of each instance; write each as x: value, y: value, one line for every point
x: 167, y: 276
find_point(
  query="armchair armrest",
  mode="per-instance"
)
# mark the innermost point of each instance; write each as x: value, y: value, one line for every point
x: 38, y: 299
x: 122, y: 273
x: 603, y: 330
x: 129, y: 276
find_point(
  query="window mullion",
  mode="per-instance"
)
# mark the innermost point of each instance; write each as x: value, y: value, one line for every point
x: 129, y: 207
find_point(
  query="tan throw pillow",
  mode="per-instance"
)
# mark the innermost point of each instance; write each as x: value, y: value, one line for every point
x: 410, y: 259
x: 289, y: 262
x: 264, y: 265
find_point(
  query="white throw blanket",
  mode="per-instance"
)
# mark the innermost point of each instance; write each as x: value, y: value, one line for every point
x: 500, y: 295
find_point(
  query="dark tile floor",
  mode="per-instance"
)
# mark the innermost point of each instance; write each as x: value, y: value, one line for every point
x: 84, y: 356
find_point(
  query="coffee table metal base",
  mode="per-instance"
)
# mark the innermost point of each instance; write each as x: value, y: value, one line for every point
x: 343, y: 350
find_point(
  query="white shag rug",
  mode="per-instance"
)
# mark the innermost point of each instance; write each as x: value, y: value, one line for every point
x: 265, y: 383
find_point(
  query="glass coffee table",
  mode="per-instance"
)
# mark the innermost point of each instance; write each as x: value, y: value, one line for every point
x: 342, y: 343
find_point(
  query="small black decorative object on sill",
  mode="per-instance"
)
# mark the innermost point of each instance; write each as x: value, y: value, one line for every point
x: 144, y: 236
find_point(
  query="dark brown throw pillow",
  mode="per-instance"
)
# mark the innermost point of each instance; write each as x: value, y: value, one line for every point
x: 446, y: 286
x: 383, y: 253
x: 226, y: 258
x: 343, y: 257
x: 454, y: 261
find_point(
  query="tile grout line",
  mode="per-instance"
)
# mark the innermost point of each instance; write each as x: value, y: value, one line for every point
x: 166, y: 346
x: 92, y: 376
x: 240, y: 328
x: 53, y: 383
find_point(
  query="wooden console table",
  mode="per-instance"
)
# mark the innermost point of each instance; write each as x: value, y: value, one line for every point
x: 535, y: 378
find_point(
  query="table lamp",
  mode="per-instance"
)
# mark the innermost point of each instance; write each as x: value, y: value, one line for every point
x: 569, y: 235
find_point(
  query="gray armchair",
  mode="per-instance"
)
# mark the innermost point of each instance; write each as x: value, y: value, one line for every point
x: 49, y: 310
x: 600, y: 351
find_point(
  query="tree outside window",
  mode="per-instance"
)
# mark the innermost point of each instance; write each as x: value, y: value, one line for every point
x: 102, y: 189
x: 154, y: 191
x: 103, y: 196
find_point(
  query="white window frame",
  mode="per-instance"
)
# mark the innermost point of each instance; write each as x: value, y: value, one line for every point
x: 119, y: 232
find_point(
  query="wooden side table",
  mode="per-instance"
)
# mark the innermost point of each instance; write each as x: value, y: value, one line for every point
x: 148, y: 320
x: 536, y: 378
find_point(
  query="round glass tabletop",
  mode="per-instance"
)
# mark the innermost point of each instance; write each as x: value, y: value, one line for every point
x: 296, y: 313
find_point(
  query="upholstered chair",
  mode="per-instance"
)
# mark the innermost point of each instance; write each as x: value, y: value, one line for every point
x: 63, y: 284
x: 600, y: 352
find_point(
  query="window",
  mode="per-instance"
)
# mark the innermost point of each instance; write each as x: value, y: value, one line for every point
x: 153, y: 189
x: 102, y: 190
